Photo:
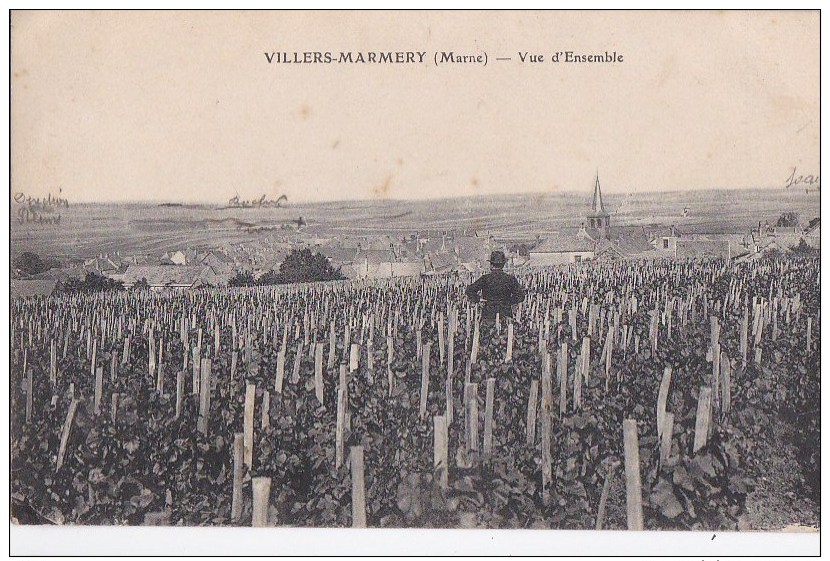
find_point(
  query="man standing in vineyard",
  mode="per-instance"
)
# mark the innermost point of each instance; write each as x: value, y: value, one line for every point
x: 499, y: 290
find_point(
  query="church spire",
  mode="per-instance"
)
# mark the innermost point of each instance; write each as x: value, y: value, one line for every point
x: 597, y: 208
x: 599, y: 217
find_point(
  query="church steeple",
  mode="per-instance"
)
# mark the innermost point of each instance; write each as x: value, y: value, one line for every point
x: 597, y: 207
x: 599, y: 218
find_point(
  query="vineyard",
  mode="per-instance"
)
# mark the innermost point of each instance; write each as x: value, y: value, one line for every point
x: 622, y: 395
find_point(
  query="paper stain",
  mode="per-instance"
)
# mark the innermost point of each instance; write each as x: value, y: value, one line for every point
x: 789, y: 104
x: 305, y: 112
x: 22, y: 73
x: 335, y: 144
x: 382, y: 191
x: 474, y: 183
x: 666, y: 71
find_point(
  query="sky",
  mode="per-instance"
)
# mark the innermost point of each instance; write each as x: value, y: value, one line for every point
x: 184, y: 107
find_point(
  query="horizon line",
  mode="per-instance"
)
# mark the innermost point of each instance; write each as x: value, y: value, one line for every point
x: 429, y: 199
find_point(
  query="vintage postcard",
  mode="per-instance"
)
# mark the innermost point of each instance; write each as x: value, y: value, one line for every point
x: 550, y: 270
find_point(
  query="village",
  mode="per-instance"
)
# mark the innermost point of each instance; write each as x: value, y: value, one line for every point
x: 430, y: 252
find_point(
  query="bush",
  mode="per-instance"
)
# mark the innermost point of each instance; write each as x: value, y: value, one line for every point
x: 29, y: 263
x: 92, y: 283
x: 141, y: 285
x: 242, y: 278
x: 302, y: 266
x: 787, y: 220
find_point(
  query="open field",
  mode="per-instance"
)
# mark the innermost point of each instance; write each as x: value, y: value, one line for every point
x: 87, y: 230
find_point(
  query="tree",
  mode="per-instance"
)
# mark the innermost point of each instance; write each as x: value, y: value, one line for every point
x: 304, y: 266
x: 29, y: 263
x: 787, y: 220
x: 269, y: 278
x: 141, y: 285
x: 242, y: 278
x: 803, y: 248
x: 92, y: 283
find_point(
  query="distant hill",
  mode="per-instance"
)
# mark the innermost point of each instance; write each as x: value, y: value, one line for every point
x: 89, y: 229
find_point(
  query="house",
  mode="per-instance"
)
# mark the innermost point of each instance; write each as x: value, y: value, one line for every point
x: 702, y: 249
x: 812, y: 234
x: 561, y: 248
x: 216, y: 259
x: 104, y: 265
x: 174, y: 258
x: 664, y: 237
x: 366, y: 262
x: 438, y: 263
x: 160, y: 277
x: 388, y: 269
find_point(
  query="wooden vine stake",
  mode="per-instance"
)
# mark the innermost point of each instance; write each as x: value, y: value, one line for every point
x: 390, y: 355
x: 332, y: 346
x: 53, y: 362
x: 633, y: 487
x: 448, y: 399
x: 196, y: 372
x: 248, y: 424
x: 67, y: 427
x: 726, y: 383
x: 562, y: 376
x: 476, y: 339
x: 424, y: 379
x: 704, y: 410
x: 204, y: 396
x: 114, y: 407
x: 531, y: 412
x: 586, y: 358
x: 318, y: 372
x: 354, y: 357
x: 160, y: 371
x: 716, y: 374
x: 298, y: 357
x: 265, y: 416
x: 488, y: 416
x: 29, y: 396
x: 125, y: 356
x: 179, y: 392
x: 440, y: 452
x: 441, y: 342
x: 666, y: 433
x: 358, y: 487
x: 547, y: 408
x: 262, y: 496
x: 662, y: 398
x: 744, y: 335
x: 450, y: 351
x: 339, y: 440
x: 236, y: 497
x: 508, y: 357
x: 603, y: 498
x: 280, y: 371
x: 470, y: 418
x: 610, y: 343
x: 99, y: 386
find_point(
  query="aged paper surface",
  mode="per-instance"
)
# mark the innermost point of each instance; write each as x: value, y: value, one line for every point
x: 569, y: 267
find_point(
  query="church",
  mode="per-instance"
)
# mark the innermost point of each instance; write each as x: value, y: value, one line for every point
x: 595, y: 239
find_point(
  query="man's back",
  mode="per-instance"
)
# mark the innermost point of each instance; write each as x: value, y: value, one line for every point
x: 500, y: 292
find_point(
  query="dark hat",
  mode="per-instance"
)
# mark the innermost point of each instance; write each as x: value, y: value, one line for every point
x: 498, y: 258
